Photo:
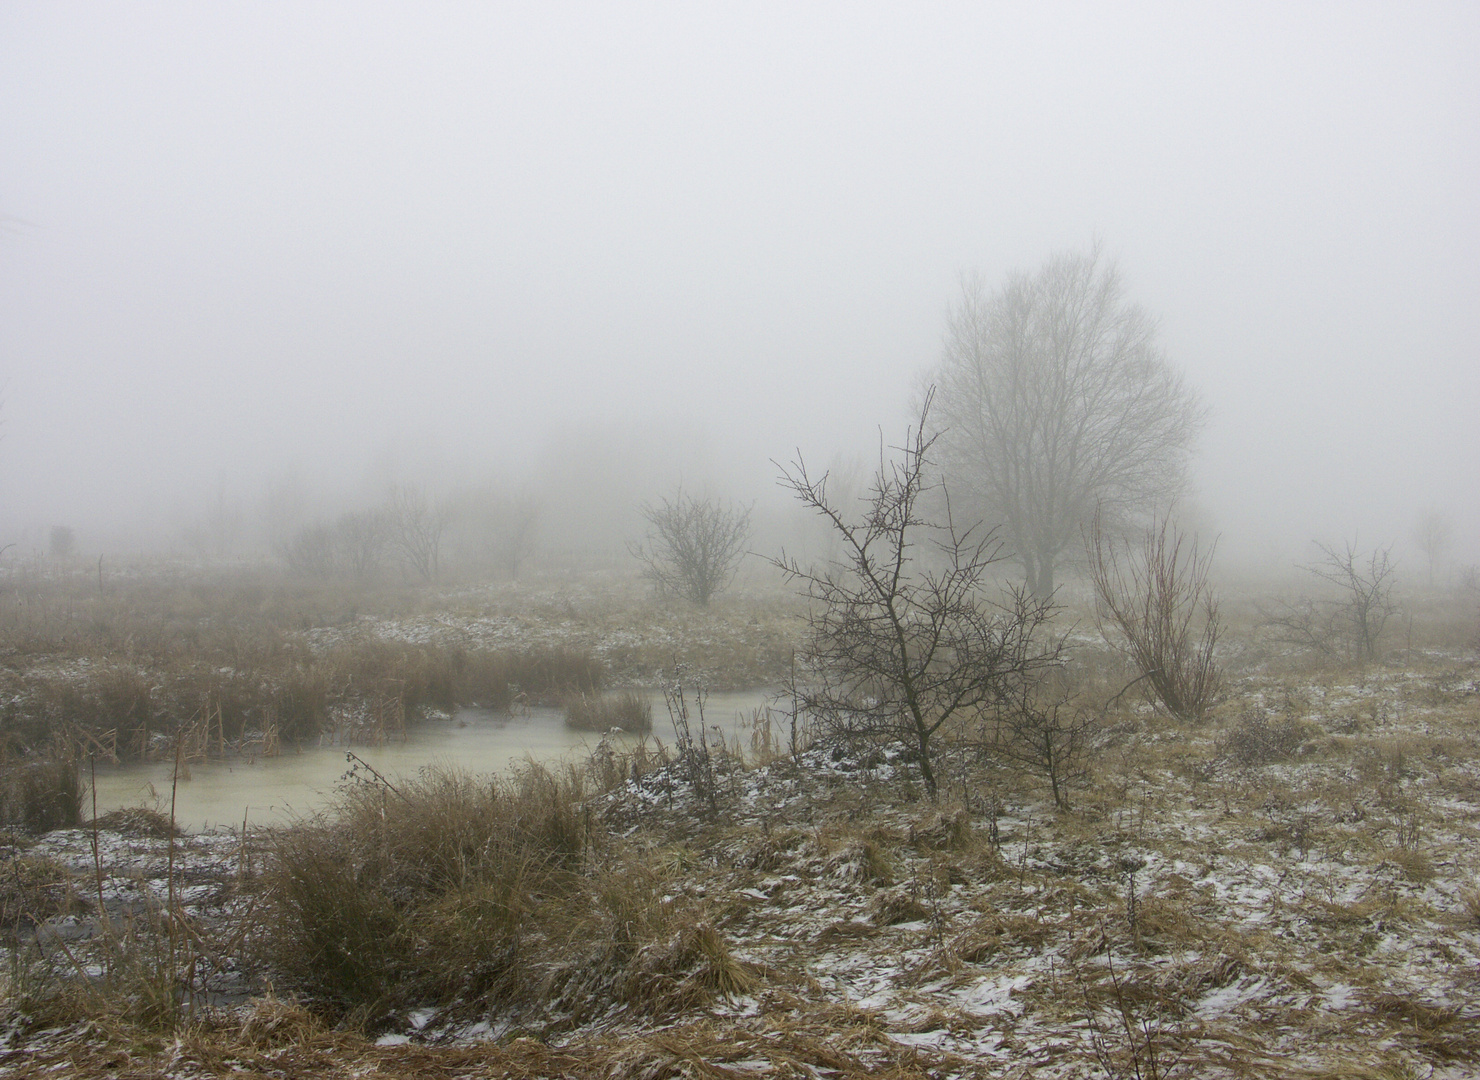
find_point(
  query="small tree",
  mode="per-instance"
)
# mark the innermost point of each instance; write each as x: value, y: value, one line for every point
x: 1157, y: 607
x: 694, y: 546
x: 1367, y: 586
x: 1041, y: 730
x: 518, y: 528
x: 1432, y: 533
x: 901, y: 644
x: 414, y: 528
x: 1354, y: 621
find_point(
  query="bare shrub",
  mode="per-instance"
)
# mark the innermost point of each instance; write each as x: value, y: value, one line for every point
x: 1303, y: 623
x: 310, y: 551
x: 694, y: 545
x: 1144, y: 1038
x: 1156, y: 606
x: 1256, y: 739
x: 353, y: 547
x: 360, y: 542
x: 1354, y: 621
x: 1044, y: 732
x: 700, y: 751
x: 900, y: 643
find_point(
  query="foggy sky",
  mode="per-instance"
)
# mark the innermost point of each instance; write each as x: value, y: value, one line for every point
x: 362, y: 242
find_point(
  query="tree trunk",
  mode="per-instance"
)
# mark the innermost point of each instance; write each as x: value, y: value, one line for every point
x: 1041, y: 582
x: 926, y: 772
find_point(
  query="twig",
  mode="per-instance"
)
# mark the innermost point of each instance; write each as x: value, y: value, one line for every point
x: 356, y: 761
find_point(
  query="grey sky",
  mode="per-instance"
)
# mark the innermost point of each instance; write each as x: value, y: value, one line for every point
x: 358, y: 240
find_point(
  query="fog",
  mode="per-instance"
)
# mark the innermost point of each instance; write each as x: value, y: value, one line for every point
x: 321, y: 249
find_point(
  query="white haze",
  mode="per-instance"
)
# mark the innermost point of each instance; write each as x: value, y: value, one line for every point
x: 355, y: 243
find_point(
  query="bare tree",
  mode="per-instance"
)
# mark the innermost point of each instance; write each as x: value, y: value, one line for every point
x: 1157, y: 607
x: 1355, y: 619
x: 694, y: 546
x: 1367, y: 586
x: 1432, y: 534
x: 901, y: 644
x: 360, y: 539
x: 415, y: 529
x: 309, y: 551
x: 1056, y: 402
x: 517, y: 529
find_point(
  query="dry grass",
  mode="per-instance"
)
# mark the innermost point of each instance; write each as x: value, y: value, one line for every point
x: 41, y: 790
x: 141, y: 709
x: 423, y: 888
x: 161, y: 652
x: 844, y: 1044
x: 137, y: 821
x: 34, y: 889
x: 1285, y: 890
x: 630, y: 711
x: 484, y: 896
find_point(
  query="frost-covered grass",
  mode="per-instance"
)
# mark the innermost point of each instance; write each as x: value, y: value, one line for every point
x: 1288, y: 888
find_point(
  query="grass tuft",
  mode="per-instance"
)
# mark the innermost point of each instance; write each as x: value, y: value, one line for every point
x: 35, y: 888
x: 41, y: 791
x: 629, y: 710
x: 137, y: 821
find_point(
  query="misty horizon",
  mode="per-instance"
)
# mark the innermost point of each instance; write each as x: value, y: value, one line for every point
x: 354, y: 246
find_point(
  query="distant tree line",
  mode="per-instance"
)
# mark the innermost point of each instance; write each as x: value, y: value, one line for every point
x: 407, y: 534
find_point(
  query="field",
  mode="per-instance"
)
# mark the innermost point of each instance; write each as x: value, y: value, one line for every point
x: 1287, y: 887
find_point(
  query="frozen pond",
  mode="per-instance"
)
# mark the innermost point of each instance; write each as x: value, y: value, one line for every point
x: 299, y: 782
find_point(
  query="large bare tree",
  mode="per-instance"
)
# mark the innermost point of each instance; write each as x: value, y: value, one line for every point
x: 1055, y: 403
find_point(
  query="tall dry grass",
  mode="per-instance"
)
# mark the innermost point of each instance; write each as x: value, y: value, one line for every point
x: 482, y: 894
x: 629, y: 710
x: 40, y: 790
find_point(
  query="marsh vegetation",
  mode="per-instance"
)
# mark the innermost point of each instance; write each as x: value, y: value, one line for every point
x: 1285, y: 884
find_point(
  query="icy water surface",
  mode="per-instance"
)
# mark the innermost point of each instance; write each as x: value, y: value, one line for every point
x: 298, y: 783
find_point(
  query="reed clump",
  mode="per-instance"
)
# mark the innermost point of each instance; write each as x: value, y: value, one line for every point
x: 628, y: 710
